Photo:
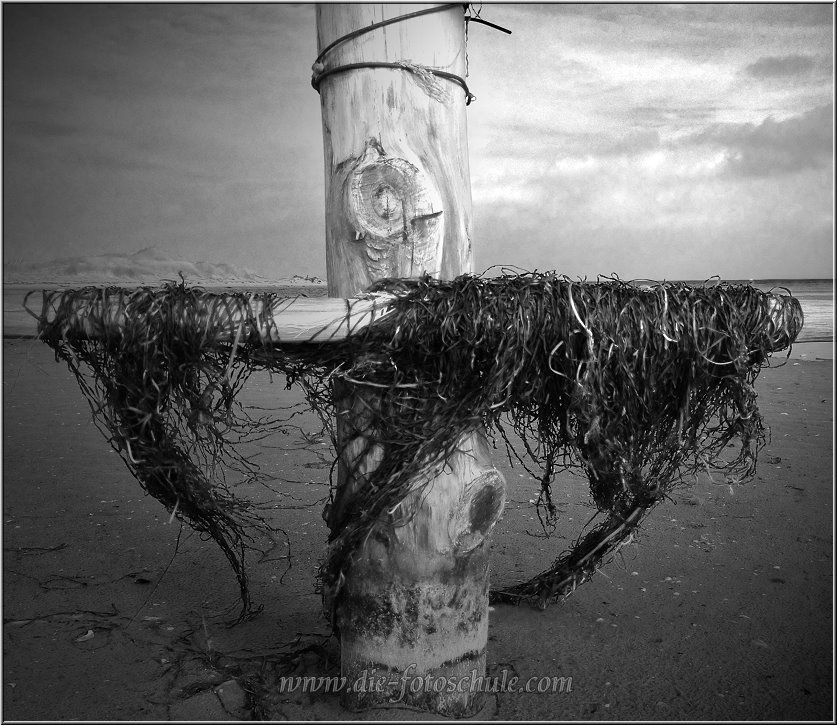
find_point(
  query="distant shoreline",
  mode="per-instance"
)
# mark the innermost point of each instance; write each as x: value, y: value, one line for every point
x: 134, y: 284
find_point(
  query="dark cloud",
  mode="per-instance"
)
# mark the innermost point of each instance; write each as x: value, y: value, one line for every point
x: 694, y: 30
x: 773, y: 15
x: 774, y: 147
x: 41, y: 128
x: 783, y: 67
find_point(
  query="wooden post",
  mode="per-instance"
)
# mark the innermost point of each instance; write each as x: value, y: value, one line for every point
x: 398, y: 204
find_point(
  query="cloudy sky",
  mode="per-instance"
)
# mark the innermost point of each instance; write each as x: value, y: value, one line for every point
x: 650, y: 141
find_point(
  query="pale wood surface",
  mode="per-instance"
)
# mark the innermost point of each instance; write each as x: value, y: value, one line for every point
x: 398, y: 204
x: 293, y: 319
x: 418, y: 136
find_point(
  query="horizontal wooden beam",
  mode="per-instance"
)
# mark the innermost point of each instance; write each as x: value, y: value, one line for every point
x: 288, y: 320
x: 100, y: 312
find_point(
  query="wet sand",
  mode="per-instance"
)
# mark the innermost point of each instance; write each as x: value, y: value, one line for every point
x: 721, y: 610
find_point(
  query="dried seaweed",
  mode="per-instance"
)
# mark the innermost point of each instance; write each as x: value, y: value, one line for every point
x: 635, y: 386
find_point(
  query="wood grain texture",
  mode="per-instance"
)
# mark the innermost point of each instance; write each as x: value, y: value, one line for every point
x: 290, y: 320
x: 417, y: 138
x: 398, y: 204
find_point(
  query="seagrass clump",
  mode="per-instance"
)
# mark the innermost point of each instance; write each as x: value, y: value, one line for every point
x: 635, y: 386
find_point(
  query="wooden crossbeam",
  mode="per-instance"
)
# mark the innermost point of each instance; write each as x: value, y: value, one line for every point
x: 289, y: 320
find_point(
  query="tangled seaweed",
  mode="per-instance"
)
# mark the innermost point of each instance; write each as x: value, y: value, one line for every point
x: 635, y: 386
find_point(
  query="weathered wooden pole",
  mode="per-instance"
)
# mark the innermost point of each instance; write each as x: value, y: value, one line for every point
x: 414, y: 600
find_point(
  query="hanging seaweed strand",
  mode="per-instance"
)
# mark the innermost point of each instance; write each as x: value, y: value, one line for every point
x: 634, y: 386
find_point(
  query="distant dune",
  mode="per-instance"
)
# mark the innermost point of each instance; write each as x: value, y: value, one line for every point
x: 149, y: 266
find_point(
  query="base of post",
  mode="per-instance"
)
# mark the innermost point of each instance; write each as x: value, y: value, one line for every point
x: 374, y: 686
x: 415, y: 644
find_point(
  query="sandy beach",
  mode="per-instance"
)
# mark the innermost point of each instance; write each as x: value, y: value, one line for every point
x: 553, y: 211
x: 721, y: 610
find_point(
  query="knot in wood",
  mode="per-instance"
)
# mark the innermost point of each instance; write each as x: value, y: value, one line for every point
x: 478, y: 511
x: 386, y: 203
x: 395, y: 212
x: 384, y: 197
